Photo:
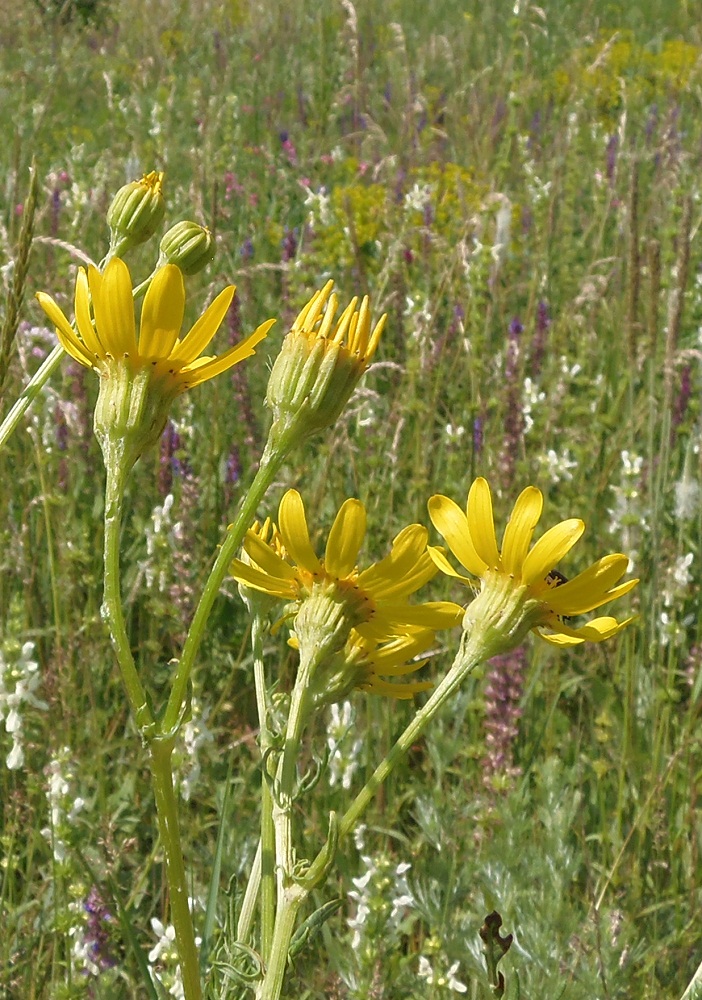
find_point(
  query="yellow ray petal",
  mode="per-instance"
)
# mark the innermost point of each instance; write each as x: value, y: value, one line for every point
x: 553, y: 545
x: 64, y: 331
x: 292, y: 525
x: 596, y: 630
x: 481, y: 523
x: 374, y: 685
x: 404, y: 582
x: 83, y: 320
x: 113, y: 306
x: 590, y: 588
x: 203, y: 369
x: 202, y: 332
x: 450, y: 521
x: 252, y: 577
x: 520, y: 529
x: 433, y: 614
x: 407, y: 549
x: 162, y: 313
x: 440, y: 560
x: 345, y: 539
x: 266, y: 559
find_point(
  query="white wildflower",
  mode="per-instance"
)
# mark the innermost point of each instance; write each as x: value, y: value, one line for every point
x: 344, y: 754
x: 19, y: 680
x: 687, y: 497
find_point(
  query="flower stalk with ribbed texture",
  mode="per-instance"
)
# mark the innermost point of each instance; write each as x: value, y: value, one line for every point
x: 320, y: 363
x: 349, y: 626
x: 520, y: 588
x: 139, y: 379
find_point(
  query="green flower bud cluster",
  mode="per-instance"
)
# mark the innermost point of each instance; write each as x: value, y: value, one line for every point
x: 137, y: 211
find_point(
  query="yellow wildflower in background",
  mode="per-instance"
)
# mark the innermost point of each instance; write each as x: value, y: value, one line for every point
x: 520, y: 588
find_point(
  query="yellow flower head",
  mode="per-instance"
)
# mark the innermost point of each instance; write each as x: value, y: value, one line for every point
x: 365, y: 663
x: 520, y: 588
x: 331, y: 595
x: 321, y: 361
x: 141, y: 377
x: 109, y: 335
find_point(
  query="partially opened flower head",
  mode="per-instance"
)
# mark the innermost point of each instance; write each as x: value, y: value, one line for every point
x: 321, y: 361
x: 140, y: 377
x: 520, y: 586
x: 372, y: 666
x: 331, y: 595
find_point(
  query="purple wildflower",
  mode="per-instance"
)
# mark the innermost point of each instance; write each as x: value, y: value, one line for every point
x: 538, y: 344
x: 97, y: 934
x: 503, y: 695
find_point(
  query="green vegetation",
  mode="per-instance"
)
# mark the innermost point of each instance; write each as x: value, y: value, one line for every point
x: 518, y: 187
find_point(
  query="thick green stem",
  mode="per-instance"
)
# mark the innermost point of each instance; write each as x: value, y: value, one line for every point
x: 271, y: 461
x: 267, y: 826
x: 248, y: 904
x: 286, y: 918
x: 291, y: 894
x: 160, y: 751
x: 112, y: 600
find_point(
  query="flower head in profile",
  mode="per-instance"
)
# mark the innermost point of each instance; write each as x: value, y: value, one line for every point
x: 321, y: 361
x: 367, y: 664
x: 140, y: 376
x: 520, y: 587
x: 330, y: 595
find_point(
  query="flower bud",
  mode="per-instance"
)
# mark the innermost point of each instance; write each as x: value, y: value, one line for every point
x: 320, y: 363
x: 189, y: 246
x: 136, y: 211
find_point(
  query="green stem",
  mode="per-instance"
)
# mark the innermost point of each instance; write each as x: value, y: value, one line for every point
x: 160, y: 751
x: 112, y: 601
x: 267, y: 826
x: 471, y: 652
x: 248, y: 903
x: 291, y: 894
x: 29, y: 394
x: 271, y: 460
x: 286, y: 918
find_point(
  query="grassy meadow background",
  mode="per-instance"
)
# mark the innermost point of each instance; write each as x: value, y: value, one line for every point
x: 519, y: 188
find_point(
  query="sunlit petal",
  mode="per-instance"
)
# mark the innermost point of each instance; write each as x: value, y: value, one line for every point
x: 440, y: 560
x: 293, y: 530
x: 162, y: 313
x: 450, y: 521
x: 481, y: 523
x: 252, y: 577
x: 64, y: 331
x: 197, y: 339
x: 83, y: 320
x: 203, y: 369
x: 345, y: 539
x: 113, y: 306
x: 520, y: 529
x: 553, y: 545
x: 266, y: 559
